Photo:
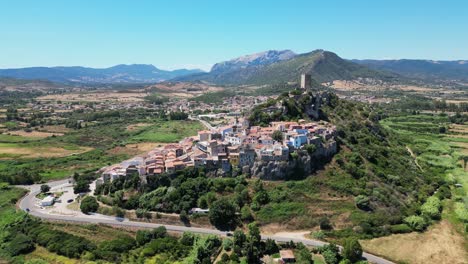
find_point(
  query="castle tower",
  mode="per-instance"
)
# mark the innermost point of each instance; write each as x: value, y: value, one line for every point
x: 306, y: 79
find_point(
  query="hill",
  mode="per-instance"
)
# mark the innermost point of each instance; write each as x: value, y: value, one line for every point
x: 372, y: 184
x: 274, y: 67
x: 135, y: 73
x: 421, y: 69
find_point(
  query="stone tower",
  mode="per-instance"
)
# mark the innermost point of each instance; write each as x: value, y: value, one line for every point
x: 306, y: 79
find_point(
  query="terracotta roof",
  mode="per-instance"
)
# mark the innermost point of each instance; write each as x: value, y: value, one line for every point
x: 287, y: 254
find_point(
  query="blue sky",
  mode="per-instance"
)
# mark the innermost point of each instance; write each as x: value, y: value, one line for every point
x: 198, y: 33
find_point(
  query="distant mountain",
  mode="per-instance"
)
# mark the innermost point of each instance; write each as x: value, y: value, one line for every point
x: 135, y: 73
x: 253, y: 60
x: 421, y: 69
x: 274, y: 67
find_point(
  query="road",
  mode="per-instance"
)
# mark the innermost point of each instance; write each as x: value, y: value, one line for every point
x: 206, y: 124
x: 30, y: 202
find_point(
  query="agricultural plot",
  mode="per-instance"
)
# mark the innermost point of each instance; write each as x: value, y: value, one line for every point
x: 442, y: 147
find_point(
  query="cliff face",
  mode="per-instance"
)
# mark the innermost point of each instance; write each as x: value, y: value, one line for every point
x: 301, y: 166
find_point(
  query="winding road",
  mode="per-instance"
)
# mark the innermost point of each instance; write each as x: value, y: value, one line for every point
x: 29, y: 203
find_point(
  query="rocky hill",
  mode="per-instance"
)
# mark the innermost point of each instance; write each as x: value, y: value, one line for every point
x: 274, y: 67
x: 372, y: 164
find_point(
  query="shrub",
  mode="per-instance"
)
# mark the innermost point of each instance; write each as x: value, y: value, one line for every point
x: 431, y: 208
x: 352, y: 250
x: 325, y: 223
x: 362, y: 202
x: 417, y: 223
x: 400, y: 229
x: 45, y: 188
x: 89, y: 204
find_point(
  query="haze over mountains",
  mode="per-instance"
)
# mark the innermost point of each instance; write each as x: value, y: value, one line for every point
x: 135, y: 73
x: 268, y: 67
x: 423, y: 69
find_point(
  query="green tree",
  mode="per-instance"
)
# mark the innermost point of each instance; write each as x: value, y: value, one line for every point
x: 45, y: 188
x: 416, y: 222
x: 223, y: 214
x: 277, y: 136
x: 89, y: 204
x: 352, y: 250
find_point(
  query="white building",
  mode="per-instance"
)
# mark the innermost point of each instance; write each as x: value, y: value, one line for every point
x: 48, y: 201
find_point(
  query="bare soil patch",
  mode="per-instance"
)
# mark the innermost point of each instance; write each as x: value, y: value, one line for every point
x: 136, y: 149
x: 440, y: 244
x: 34, y: 134
x: 14, y: 151
x: 101, y: 96
x: 134, y: 127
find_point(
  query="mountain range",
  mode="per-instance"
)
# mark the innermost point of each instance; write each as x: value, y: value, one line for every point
x: 421, y: 69
x: 135, y: 73
x: 268, y: 67
x: 285, y: 66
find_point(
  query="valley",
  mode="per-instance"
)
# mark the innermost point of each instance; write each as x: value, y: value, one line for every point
x: 390, y: 146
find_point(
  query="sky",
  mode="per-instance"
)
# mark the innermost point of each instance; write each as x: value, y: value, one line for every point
x: 173, y: 34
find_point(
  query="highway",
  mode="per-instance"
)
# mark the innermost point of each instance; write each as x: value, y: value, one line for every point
x: 29, y: 202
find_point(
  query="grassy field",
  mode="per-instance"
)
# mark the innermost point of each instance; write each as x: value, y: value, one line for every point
x: 87, y: 149
x: 166, y: 132
x: 444, y: 242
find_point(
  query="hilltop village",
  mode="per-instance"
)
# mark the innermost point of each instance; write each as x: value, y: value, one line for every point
x: 237, y: 148
x: 231, y: 148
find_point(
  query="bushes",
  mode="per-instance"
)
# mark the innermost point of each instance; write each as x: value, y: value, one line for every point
x: 400, y: 229
x: 60, y: 242
x: 362, y: 202
x: 111, y: 250
x: 417, y: 223
x: 21, y: 244
x: 431, y: 208
x: 89, y: 204
x: 352, y: 250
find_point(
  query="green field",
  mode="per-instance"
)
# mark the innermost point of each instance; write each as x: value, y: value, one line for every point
x: 441, y: 152
x: 166, y: 131
x: 4, y: 138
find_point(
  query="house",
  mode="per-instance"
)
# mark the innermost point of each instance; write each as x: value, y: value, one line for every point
x: 204, y: 135
x: 234, y: 159
x: 246, y: 157
x: 48, y: 201
x: 199, y: 211
x: 287, y: 256
x: 298, y: 140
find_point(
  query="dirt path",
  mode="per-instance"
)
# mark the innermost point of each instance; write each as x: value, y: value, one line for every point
x: 415, y: 158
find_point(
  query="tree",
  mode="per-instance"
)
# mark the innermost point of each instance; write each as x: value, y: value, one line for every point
x: 270, y: 247
x: 325, y: 223
x: 416, y: 222
x: 89, y: 204
x: 81, y: 186
x: 223, y: 214
x: 277, y: 136
x: 352, y: 250
x: 45, y: 188
x: 246, y: 214
x: 362, y: 202
x: 431, y: 208
x: 330, y: 253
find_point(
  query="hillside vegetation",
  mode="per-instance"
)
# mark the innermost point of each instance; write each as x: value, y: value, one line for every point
x: 371, y: 186
x: 324, y: 66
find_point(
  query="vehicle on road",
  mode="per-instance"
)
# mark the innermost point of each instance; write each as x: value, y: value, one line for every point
x: 27, y: 210
x: 69, y: 200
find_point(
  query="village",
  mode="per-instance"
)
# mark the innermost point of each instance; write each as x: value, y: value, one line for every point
x: 229, y: 149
